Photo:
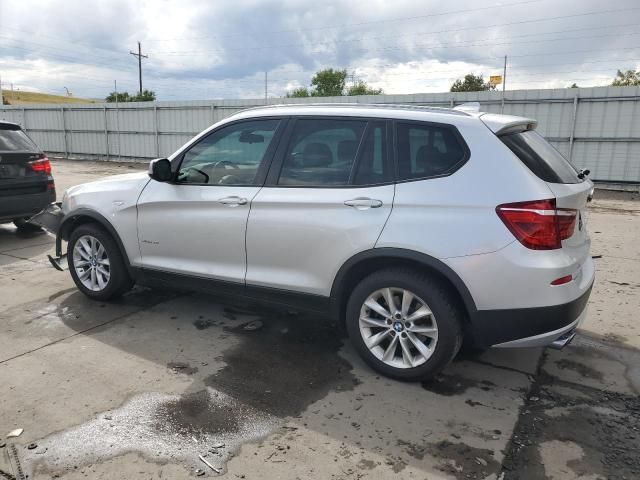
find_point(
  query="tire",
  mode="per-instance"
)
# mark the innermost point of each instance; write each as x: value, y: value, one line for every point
x: 24, y: 226
x: 118, y: 280
x: 406, y: 361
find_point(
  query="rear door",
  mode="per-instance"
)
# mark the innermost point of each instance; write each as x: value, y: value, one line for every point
x: 327, y: 197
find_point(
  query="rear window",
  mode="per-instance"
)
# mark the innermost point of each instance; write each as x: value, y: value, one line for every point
x: 541, y: 158
x: 12, y: 140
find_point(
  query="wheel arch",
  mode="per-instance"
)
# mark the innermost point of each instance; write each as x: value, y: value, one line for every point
x: 83, y: 216
x: 368, y: 261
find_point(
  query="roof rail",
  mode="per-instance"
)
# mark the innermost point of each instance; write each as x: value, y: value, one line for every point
x: 389, y: 106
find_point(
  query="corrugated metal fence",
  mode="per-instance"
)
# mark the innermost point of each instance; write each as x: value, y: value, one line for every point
x: 596, y: 128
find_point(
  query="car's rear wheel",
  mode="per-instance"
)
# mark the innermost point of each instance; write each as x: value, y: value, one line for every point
x: 404, y: 324
x: 23, y: 225
x: 96, y: 263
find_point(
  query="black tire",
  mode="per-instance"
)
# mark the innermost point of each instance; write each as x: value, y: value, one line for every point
x: 24, y: 226
x: 119, y: 281
x: 448, y: 315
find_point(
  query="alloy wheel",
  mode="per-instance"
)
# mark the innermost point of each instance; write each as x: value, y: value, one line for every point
x: 91, y: 263
x: 398, y: 327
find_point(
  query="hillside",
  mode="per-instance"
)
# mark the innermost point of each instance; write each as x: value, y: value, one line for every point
x: 24, y: 98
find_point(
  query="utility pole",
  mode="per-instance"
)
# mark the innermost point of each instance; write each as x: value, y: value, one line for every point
x: 266, y: 98
x: 140, y: 57
x: 1, y: 97
x: 504, y: 83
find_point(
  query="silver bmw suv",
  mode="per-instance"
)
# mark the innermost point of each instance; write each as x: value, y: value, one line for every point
x: 417, y: 227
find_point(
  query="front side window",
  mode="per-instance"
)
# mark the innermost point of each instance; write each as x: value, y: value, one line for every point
x: 230, y: 155
x: 427, y: 151
x: 321, y: 152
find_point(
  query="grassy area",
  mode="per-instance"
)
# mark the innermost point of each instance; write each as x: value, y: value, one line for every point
x: 22, y: 98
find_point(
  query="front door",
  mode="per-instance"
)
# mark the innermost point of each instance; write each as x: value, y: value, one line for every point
x: 196, y: 224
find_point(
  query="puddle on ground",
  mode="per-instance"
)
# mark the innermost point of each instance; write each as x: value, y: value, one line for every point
x: 163, y: 428
x: 285, y: 365
x: 272, y: 372
x: 452, y: 384
x: 463, y: 461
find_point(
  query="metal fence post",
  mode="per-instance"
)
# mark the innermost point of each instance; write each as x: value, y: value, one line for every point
x: 155, y: 122
x: 573, y: 127
x: 24, y: 119
x: 213, y: 114
x: 106, y: 131
x: 64, y: 130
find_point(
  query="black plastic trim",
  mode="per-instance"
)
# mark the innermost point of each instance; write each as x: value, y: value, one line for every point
x: 69, y: 220
x: 296, y: 300
x: 491, y: 327
x: 337, y: 289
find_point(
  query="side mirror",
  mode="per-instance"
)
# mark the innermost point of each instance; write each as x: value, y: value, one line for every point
x: 160, y: 170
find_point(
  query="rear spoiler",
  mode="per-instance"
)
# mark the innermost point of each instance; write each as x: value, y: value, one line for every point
x: 504, y: 124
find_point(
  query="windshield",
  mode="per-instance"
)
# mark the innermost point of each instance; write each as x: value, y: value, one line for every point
x: 541, y: 158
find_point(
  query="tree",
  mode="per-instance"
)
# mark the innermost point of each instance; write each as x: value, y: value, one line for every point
x: 301, y: 92
x: 629, y: 78
x: 145, y: 96
x: 328, y: 83
x: 471, y: 83
x: 574, y: 85
x: 361, y: 88
x: 118, y: 97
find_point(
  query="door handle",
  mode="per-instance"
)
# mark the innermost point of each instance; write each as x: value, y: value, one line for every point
x: 363, y: 203
x: 233, y: 201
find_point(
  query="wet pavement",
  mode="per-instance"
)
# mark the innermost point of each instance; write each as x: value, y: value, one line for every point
x: 145, y: 386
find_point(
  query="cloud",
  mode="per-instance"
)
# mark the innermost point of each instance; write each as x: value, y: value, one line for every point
x: 201, y: 49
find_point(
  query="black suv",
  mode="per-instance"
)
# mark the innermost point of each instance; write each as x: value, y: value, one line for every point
x: 26, y: 184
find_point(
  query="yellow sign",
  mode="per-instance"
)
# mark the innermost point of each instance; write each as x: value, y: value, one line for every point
x: 495, y: 80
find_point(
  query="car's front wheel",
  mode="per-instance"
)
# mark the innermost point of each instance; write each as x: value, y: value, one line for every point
x: 404, y: 324
x: 96, y: 263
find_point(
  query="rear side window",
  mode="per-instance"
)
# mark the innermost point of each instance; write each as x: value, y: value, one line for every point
x: 428, y: 150
x: 321, y: 152
x: 12, y: 140
x: 540, y: 157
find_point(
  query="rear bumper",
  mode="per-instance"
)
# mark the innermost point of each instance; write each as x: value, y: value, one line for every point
x: 21, y: 206
x: 528, y: 327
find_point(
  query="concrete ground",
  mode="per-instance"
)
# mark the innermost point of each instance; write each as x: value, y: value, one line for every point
x: 141, y: 387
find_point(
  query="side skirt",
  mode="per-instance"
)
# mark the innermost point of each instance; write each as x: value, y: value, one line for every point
x: 191, y: 283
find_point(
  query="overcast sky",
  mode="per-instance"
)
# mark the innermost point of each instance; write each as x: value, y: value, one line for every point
x: 221, y: 48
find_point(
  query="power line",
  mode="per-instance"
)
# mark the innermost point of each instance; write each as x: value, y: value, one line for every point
x: 449, y: 30
x: 351, y: 25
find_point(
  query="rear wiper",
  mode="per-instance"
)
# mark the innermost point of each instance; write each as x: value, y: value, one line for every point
x: 583, y: 173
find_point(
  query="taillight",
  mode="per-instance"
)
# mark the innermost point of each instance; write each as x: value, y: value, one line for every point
x: 41, y: 166
x: 538, y: 224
